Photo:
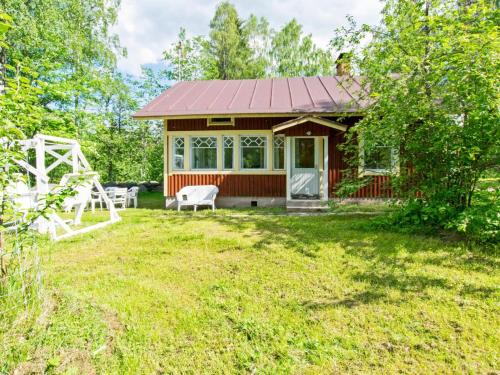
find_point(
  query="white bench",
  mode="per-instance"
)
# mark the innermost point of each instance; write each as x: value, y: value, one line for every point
x: 201, y: 195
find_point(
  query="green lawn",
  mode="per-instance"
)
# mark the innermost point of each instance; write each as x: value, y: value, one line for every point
x: 250, y: 291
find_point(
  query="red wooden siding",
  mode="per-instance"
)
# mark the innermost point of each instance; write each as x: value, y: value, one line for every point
x: 232, y: 185
x: 379, y: 186
x: 250, y: 123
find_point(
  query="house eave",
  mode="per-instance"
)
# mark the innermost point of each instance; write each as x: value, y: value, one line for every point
x: 248, y: 115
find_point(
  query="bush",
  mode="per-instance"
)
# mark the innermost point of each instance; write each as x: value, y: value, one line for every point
x: 480, y: 222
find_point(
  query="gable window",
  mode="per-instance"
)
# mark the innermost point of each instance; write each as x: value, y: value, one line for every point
x: 178, y: 153
x: 379, y: 159
x: 220, y: 121
x: 228, y: 156
x: 204, y: 153
x: 279, y: 152
x: 253, y: 150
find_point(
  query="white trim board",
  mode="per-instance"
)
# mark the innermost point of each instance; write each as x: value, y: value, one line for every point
x: 314, y: 119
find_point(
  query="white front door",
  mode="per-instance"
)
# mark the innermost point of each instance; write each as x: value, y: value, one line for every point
x: 304, y: 179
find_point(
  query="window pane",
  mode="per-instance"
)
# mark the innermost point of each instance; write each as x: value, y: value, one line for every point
x: 253, y: 157
x: 378, y: 158
x: 178, y: 154
x: 253, y: 152
x: 304, y: 153
x: 228, y: 152
x: 279, y: 153
x: 204, y: 158
x: 204, y: 153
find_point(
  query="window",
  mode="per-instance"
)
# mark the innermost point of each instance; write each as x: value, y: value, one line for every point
x: 304, y: 153
x: 379, y: 159
x: 220, y: 121
x: 204, y: 153
x: 253, y: 152
x: 178, y: 154
x: 279, y: 152
x: 228, y: 143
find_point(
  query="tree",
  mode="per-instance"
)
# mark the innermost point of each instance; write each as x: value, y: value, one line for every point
x: 120, y: 148
x: 297, y: 55
x: 228, y: 44
x: 431, y: 71
x: 68, y: 44
x: 186, y: 59
x: 20, y: 111
x: 259, y: 36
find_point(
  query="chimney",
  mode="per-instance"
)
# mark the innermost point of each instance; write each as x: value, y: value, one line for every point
x: 343, y: 64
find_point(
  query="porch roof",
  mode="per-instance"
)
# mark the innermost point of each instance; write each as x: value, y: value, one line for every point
x: 304, y: 119
x: 299, y: 95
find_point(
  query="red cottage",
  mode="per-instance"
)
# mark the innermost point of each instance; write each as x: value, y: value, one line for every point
x: 263, y: 142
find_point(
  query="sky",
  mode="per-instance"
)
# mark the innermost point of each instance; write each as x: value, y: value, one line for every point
x: 147, y: 27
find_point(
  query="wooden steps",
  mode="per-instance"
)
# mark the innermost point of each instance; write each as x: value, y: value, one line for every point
x: 307, y: 205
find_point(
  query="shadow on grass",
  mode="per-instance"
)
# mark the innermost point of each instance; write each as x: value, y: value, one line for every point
x: 382, y: 260
x: 354, y: 300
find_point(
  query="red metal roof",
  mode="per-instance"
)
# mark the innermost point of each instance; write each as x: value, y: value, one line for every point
x: 258, y: 96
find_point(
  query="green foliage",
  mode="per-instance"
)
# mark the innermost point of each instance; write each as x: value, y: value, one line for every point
x: 431, y: 73
x: 67, y: 44
x: 481, y: 221
x: 62, y: 80
x: 295, y: 55
x: 259, y: 36
x: 237, y: 49
x: 228, y: 44
x: 186, y: 58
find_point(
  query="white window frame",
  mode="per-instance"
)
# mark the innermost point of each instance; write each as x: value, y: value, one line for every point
x: 284, y: 153
x: 174, y: 149
x: 192, y: 153
x: 224, y: 150
x: 266, y: 148
x: 394, y: 168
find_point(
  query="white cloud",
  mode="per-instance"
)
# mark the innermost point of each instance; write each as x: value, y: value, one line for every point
x: 147, y: 27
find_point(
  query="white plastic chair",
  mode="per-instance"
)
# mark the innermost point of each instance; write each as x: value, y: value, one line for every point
x: 132, y: 195
x: 95, y: 198
x: 119, y: 197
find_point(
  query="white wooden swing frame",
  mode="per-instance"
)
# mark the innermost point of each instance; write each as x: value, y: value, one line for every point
x: 65, y: 151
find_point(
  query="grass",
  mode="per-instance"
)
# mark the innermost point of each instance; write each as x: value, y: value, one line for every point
x: 245, y: 291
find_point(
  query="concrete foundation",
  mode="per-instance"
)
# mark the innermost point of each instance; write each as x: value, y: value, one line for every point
x: 231, y: 202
